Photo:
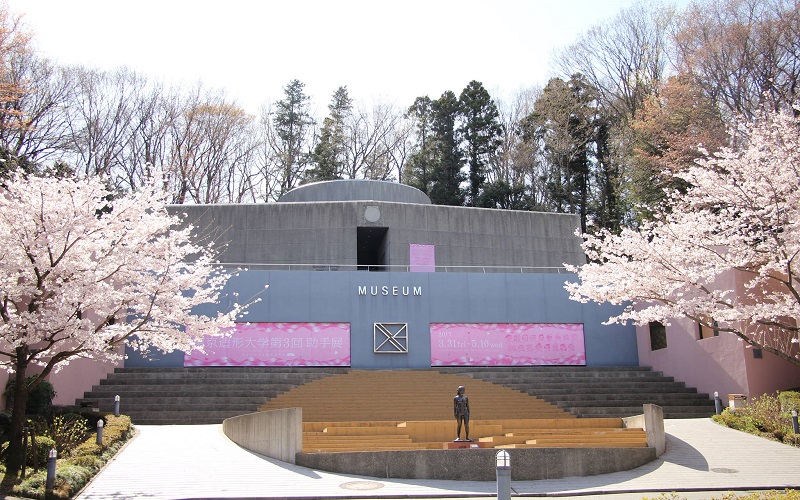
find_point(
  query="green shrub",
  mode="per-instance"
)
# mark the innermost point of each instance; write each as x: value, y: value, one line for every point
x: 89, y: 461
x: 69, y: 479
x: 735, y: 420
x: 43, y: 446
x: 88, y: 447
x: 790, y: 400
x: 765, y: 412
x: 67, y: 431
x: 40, y: 400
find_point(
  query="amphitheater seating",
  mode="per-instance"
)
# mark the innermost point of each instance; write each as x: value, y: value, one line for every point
x: 206, y: 395
x: 402, y: 395
x: 406, y: 410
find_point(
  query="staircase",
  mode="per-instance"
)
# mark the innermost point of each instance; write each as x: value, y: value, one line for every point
x: 205, y: 395
x: 598, y: 391
x: 196, y: 395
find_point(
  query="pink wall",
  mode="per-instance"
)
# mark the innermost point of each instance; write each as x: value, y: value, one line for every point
x: 770, y: 373
x: 77, y: 377
x: 72, y: 380
x: 722, y: 363
x: 713, y: 364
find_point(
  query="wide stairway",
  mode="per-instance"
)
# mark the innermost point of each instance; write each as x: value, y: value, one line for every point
x: 412, y: 409
x: 196, y: 395
x: 598, y: 391
x: 211, y: 394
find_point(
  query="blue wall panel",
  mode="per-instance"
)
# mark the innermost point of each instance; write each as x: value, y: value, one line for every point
x: 322, y: 296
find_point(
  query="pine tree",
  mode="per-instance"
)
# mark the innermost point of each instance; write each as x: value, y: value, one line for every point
x: 419, y: 167
x: 482, y: 133
x: 329, y: 154
x: 292, y: 123
x: 446, y: 172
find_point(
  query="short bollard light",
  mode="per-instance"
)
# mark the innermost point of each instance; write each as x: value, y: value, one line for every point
x: 503, y: 463
x: 116, y: 405
x: 100, y: 432
x: 795, y: 428
x: 717, y: 403
x: 51, y: 470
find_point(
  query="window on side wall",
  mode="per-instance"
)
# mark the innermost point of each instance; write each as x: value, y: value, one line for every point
x: 658, y: 336
x: 706, y: 332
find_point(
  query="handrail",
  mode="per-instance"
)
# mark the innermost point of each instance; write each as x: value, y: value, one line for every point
x: 388, y: 268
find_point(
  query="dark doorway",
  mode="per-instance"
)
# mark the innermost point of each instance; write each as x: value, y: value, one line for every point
x: 372, y: 248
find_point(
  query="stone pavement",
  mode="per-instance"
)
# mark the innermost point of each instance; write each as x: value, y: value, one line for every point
x: 198, y: 461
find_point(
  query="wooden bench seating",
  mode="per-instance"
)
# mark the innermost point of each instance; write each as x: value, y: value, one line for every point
x: 412, y: 410
x: 370, y: 436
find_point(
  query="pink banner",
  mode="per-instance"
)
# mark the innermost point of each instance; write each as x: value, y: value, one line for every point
x: 500, y: 344
x: 422, y: 258
x: 277, y: 344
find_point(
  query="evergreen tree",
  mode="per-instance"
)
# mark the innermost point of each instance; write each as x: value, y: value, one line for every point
x: 329, y: 154
x: 482, y: 133
x: 446, y: 172
x: 292, y: 122
x: 420, y: 163
x: 564, y: 120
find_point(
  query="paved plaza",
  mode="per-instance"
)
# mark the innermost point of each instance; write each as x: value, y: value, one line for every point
x: 198, y: 461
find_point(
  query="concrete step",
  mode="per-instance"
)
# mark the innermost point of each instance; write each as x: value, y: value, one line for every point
x: 567, y: 390
x: 542, y: 368
x: 196, y: 395
x: 165, y: 392
x: 598, y: 392
x: 638, y: 401
x: 316, y: 370
x: 621, y: 411
x: 189, y: 380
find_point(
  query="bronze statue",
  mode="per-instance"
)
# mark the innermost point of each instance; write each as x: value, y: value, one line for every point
x: 461, y: 412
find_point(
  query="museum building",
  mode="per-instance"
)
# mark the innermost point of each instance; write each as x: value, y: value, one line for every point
x: 371, y: 275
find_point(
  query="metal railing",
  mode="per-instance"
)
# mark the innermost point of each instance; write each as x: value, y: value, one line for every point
x: 390, y: 268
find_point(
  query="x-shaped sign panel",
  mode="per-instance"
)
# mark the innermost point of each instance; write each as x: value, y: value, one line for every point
x: 391, y: 338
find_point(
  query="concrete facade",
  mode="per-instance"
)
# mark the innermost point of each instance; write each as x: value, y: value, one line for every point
x: 360, y: 189
x: 341, y: 252
x: 291, y: 235
x: 276, y: 434
x: 479, y: 464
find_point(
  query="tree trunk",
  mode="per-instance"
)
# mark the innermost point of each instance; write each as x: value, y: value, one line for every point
x: 15, y: 449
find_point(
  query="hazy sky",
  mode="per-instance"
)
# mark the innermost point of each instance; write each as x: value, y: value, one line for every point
x: 381, y: 50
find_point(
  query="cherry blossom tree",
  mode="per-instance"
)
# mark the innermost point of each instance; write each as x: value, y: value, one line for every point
x: 724, y: 253
x: 83, y: 271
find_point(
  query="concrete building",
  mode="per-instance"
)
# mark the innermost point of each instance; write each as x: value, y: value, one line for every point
x: 401, y: 283
x: 371, y: 275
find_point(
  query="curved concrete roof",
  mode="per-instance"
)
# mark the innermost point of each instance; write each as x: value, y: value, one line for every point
x: 356, y: 190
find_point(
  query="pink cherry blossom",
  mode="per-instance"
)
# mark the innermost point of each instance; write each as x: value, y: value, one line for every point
x: 725, y: 251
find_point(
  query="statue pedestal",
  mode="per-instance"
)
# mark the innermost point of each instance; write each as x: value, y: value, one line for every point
x: 459, y: 445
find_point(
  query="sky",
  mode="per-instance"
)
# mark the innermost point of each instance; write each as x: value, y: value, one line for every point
x: 383, y: 51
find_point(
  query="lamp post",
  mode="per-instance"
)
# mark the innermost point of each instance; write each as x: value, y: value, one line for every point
x: 51, y: 471
x: 717, y: 403
x: 503, y: 464
x: 100, y: 432
x: 794, y: 422
x: 116, y: 405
